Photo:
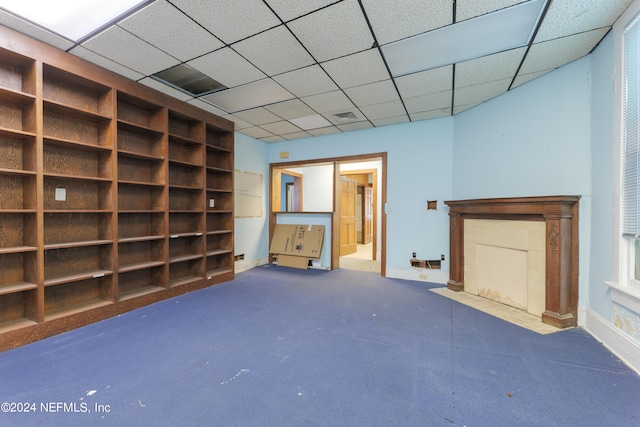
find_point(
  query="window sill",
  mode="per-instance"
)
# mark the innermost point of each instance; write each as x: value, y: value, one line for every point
x: 625, y: 296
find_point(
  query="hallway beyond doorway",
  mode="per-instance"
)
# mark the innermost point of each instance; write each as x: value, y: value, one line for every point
x: 361, y: 260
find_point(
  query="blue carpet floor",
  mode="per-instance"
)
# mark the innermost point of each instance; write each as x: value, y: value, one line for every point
x: 284, y: 347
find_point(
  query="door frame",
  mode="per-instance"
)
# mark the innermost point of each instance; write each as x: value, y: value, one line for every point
x: 374, y: 237
x: 274, y: 209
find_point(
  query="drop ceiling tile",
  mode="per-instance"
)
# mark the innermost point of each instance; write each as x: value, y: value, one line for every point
x: 429, y: 102
x: 230, y: 21
x: 357, y: 69
x: 290, y: 109
x: 306, y: 81
x: 576, y: 16
x: 90, y: 56
x: 161, y: 87
x: 524, y: 78
x: 239, y: 123
x: 227, y: 67
x: 466, y: 9
x: 391, y: 121
x: 381, y: 111
x: 558, y: 52
x: 416, y: 16
x: 425, y: 82
x: 256, y: 132
x: 324, y: 131
x: 290, y: 9
x: 272, y: 139
x: 480, y: 92
x: 492, y: 67
x: 208, y: 107
x: 429, y: 115
x: 281, y: 127
x: 258, y: 116
x: 130, y: 51
x: 374, y: 93
x: 11, y: 21
x: 460, y: 108
x: 274, y: 51
x: 338, y: 30
x: 330, y: 101
x: 296, y: 135
x: 336, y: 118
x: 355, y: 126
x: 178, y: 35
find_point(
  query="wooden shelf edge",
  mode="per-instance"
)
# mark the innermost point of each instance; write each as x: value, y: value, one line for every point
x: 185, y: 258
x: 11, y: 288
x: 58, y: 107
x: 217, y: 272
x: 17, y: 249
x: 16, y: 133
x: 139, y: 239
x: 139, y: 292
x: 218, y: 252
x: 14, y: 325
x: 184, y: 281
x: 67, y: 245
x: 127, y: 268
x: 61, y: 142
x: 77, y: 308
x: 85, y: 275
x: 18, y: 172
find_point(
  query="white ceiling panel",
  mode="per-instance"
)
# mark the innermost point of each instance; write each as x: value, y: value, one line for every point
x: 227, y: 67
x: 335, y: 31
x: 466, y: 9
x: 230, y: 21
x: 430, y: 102
x: 306, y: 81
x: 558, y: 52
x: 429, y: 115
x: 258, y: 116
x: 272, y: 139
x: 208, y: 107
x: 296, y: 135
x: 174, y: 32
x: 130, y: 51
x: 493, y: 67
x: 292, y: 109
x: 280, y: 128
x: 161, y: 87
x: 330, y: 101
x: 524, y: 78
x: 34, y: 31
x: 257, y: 132
x: 274, y: 51
x: 318, y: 58
x: 568, y: 17
x: 90, y: 56
x: 416, y: 16
x: 381, y: 111
x: 357, y: 69
x: 291, y: 9
x: 425, y: 82
x: 348, y: 127
x: 324, y: 131
x: 374, y: 93
x: 480, y: 92
x: 387, y: 121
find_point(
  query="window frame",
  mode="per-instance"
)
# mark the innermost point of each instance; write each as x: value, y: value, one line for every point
x: 624, y: 246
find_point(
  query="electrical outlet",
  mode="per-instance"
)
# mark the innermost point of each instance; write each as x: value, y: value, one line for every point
x: 413, y: 254
x: 212, y: 203
x: 442, y: 257
x: 61, y: 194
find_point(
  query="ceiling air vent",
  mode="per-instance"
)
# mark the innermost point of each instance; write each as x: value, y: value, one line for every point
x: 349, y: 115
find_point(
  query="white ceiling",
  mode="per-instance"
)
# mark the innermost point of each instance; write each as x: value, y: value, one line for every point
x: 327, y: 55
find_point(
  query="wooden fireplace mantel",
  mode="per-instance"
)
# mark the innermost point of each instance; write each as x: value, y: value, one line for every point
x: 560, y: 213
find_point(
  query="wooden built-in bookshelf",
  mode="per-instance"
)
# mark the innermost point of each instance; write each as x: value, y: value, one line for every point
x: 112, y: 195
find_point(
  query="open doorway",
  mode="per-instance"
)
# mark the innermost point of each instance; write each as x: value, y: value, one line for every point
x: 358, y: 231
x: 315, y: 198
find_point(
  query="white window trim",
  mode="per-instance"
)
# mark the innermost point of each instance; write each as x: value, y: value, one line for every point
x: 625, y: 289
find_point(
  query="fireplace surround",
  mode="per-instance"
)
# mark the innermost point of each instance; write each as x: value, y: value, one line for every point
x: 560, y: 214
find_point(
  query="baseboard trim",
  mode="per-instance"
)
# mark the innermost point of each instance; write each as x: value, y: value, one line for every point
x: 245, y: 264
x: 420, y: 275
x: 625, y: 348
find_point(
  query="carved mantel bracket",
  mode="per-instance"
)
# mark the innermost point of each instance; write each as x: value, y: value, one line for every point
x: 560, y: 214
